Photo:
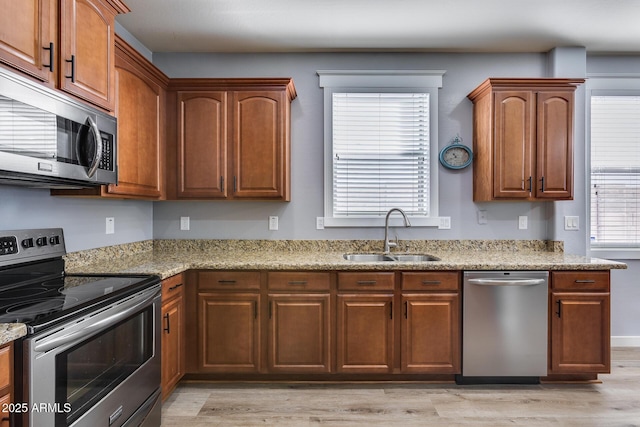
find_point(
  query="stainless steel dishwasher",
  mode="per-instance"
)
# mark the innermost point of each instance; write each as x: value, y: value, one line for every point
x: 504, y: 326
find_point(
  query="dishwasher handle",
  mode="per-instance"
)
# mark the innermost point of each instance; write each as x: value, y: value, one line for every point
x: 506, y: 282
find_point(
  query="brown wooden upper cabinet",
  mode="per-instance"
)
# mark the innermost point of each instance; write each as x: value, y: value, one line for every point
x: 523, y: 139
x: 232, y: 139
x: 76, y: 56
x: 140, y: 108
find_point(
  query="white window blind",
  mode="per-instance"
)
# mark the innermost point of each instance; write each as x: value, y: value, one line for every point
x: 615, y: 171
x: 380, y: 153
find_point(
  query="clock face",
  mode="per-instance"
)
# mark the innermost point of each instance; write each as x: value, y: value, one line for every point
x: 456, y: 157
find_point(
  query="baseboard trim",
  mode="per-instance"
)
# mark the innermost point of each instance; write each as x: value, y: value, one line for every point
x: 625, y: 341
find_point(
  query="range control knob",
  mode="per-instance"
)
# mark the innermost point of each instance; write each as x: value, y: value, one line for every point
x: 41, y: 241
x: 27, y: 243
x: 54, y: 240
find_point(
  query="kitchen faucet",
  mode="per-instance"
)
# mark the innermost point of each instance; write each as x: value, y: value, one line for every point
x: 387, y: 244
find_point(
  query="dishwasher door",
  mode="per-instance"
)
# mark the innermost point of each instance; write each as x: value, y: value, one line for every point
x: 504, y: 324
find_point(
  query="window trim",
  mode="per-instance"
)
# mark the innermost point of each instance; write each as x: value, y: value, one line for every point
x: 598, y: 85
x: 426, y: 81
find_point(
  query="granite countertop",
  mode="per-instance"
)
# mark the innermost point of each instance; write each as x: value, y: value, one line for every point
x: 167, y: 258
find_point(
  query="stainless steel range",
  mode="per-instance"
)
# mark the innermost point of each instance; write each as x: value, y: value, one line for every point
x: 92, y: 353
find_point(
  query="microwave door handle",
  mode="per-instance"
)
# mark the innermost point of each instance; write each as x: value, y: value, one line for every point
x: 50, y: 344
x: 95, y: 162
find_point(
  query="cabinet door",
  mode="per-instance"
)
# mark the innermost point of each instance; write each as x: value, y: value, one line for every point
x: 26, y: 32
x: 229, y: 332
x: 202, y: 145
x: 140, y: 111
x: 299, y: 333
x: 365, y: 333
x: 514, y: 144
x: 554, y: 145
x: 172, y: 343
x: 580, y: 333
x: 431, y: 333
x: 260, y: 153
x: 87, y: 51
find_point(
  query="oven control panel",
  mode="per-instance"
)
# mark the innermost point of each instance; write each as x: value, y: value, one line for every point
x: 17, y: 246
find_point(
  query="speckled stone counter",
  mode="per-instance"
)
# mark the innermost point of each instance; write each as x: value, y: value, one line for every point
x: 169, y: 257
x: 11, y: 332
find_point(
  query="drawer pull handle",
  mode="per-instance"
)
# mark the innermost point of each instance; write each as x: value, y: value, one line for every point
x: 366, y: 282
x: 227, y: 282
x: 72, y: 61
x: 173, y: 288
x: 297, y: 283
x: 586, y: 281
x: 167, y: 329
x: 51, y: 57
x: 431, y: 282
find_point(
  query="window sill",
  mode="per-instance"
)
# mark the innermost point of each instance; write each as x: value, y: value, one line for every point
x: 330, y: 222
x: 615, y: 253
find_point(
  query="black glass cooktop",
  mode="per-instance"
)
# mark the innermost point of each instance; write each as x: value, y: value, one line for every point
x: 43, y: 295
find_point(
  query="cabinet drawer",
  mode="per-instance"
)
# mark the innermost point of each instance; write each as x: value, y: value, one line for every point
x: 365, y: 281
x: 288, y: 281
x: 229, y: 280
x: 431, y: 281
x: 580, y: 280
x: 172, y: 286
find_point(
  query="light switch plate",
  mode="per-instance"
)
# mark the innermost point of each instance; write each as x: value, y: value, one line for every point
x: 523, y: 222
x: 319, y: 223
x: 572, y: 223
x: 445, y: 223
x: 482, y: 217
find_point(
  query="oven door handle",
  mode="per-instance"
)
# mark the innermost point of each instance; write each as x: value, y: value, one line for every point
x: 128, y: 308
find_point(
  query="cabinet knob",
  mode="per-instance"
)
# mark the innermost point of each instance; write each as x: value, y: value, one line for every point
x: 51, y: 59
x: 72, y: 61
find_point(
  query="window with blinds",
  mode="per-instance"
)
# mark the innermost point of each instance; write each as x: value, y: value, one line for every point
x: 380, y: 153
x: 615, y: 171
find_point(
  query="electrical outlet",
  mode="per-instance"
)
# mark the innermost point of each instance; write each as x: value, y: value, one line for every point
x: 572, y: 223
x: 110, y: 225
x: 185, y: 223
x: 445, y: 223
x: 523, y: 221
x: 273, y: 223
x: 482, y: 217
x: 320, y: 223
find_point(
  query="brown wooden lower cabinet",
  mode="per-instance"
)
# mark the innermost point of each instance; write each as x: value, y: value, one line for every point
x: 431, y: 333
x: 229, y: 332
x: 580, y: 338
x: 173, y: 333
x: 369, y: 325
x: 6, y: 382
x: 299, y: 333
x: 365, y: 333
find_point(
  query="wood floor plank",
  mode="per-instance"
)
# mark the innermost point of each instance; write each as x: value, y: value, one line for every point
x: 613, y: 403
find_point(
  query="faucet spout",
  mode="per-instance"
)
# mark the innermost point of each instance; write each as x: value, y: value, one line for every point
x: 388, y: 244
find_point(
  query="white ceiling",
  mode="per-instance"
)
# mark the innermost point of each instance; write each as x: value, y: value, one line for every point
x: 602, y: 26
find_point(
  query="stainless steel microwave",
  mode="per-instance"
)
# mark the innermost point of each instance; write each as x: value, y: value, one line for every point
x: 49, y: 140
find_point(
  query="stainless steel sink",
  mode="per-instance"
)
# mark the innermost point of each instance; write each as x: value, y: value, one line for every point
x: 390, y: 257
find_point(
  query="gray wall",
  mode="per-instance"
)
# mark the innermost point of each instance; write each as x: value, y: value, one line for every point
x: 82, y: 220
x: 297, y: 218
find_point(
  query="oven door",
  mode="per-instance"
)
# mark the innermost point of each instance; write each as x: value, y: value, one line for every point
x: 99, y: 370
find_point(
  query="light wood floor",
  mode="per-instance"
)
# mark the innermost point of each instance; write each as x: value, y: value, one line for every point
x: 614, y: 402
